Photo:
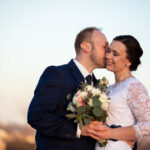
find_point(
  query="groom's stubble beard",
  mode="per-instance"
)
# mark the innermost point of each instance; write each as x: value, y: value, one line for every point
x: 104, y: 64
x: 97, y: 62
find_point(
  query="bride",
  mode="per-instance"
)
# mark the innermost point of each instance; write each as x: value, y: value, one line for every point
x: 130, y: 103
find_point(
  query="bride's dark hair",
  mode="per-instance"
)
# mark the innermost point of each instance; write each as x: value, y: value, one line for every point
x: 133, y: 49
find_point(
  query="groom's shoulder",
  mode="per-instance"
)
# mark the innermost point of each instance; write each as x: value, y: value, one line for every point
x: 56, y: 69
x: 63, y: 67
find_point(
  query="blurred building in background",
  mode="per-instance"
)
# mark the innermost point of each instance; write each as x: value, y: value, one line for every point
x: 16, y: 137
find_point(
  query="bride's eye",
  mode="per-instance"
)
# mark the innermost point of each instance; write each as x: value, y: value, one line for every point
x: 116, y: 54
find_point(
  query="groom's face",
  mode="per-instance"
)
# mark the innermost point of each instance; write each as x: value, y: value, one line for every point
x: 99, y: 45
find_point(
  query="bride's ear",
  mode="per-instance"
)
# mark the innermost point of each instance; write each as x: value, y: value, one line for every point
x: 128, y: 64
x: 85, y: 46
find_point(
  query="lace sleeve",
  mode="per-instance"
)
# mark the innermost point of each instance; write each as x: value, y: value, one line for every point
x: 139, y: 103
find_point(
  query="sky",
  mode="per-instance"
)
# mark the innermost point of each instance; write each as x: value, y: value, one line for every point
x: 35, y: 34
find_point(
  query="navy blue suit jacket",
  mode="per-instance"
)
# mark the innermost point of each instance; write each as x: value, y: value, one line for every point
x: 48, y: 109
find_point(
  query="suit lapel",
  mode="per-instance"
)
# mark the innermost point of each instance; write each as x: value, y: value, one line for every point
x: 76, y: 72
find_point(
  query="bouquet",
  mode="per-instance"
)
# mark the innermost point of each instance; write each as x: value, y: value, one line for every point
x: 90, y: 104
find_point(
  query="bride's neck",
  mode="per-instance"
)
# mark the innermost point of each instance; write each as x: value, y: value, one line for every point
x: 121, y: 76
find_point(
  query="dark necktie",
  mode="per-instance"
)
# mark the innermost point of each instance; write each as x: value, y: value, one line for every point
x: 89, y: 79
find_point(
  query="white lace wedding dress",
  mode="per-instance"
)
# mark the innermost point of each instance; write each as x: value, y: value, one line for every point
x: 130, y: 105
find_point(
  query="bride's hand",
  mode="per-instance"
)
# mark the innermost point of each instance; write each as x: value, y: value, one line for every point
x: 97, y: 130
x: 87, y: 130
x: 102, y: 131
x: 131, y: 143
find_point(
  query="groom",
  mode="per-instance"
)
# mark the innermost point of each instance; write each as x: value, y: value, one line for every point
x: 48, y: 107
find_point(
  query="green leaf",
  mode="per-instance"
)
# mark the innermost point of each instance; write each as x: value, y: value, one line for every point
x: 97, y: 111
x: 96, y: 102
x: 103, y: 143
x: 103, y: 117
x: 80, y: 124
x: 71, y: 116
x: 87, y: 121
x: 86, y: 116
x: 81, y: 110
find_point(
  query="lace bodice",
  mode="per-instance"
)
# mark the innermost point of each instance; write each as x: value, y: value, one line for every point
x: 130, y: 105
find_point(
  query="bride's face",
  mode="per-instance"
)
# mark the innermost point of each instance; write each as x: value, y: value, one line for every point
x: 116, y: 57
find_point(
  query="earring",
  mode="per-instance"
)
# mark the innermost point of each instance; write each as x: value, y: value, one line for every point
x: 126, y: 65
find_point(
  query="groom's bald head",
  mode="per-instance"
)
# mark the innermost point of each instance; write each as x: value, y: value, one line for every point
x: 84, y: 35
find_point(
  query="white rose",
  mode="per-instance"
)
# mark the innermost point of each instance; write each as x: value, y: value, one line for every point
x: 89, y: 88
x: 90, y: 102
x: 103, y: 98
x: 105, y: 106
x: 75, y: 99
x: 83, y: 94
x: 96, y: 92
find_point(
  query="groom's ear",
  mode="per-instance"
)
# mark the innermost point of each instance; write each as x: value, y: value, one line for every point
x: 85, y: 46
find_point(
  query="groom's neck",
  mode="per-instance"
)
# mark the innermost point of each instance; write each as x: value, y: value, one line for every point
x: 86, y: 64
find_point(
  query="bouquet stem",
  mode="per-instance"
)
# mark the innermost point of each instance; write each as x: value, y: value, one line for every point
x: 102, y: 143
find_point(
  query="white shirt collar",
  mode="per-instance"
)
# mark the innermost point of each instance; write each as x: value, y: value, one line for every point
x: 82, y: 69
